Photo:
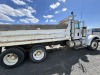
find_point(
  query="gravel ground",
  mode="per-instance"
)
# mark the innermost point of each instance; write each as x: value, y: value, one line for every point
x: 61, y: 62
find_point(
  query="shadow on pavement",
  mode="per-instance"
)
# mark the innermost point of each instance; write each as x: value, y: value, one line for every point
x: 58, y: 62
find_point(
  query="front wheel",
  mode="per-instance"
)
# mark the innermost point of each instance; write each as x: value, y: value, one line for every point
x: 94, y: 45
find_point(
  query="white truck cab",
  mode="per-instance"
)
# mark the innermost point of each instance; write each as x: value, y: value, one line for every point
x: 79, y: 35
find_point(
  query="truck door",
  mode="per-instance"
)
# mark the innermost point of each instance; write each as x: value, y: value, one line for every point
x: 77, y: 30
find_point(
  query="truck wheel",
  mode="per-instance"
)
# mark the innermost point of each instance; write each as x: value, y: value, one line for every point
x: 37, y: 53
x: 94, y: 45
x: 11, y: 58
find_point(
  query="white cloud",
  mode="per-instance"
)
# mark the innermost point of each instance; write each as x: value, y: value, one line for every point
x: 19, y: 2
x: 48, y: 16
x: 62, y: 0
x: 29, y: 20
x: 56, y: 12
x: 24, y: 21
x: 59, y: 11
x: 7, y: 11
x: 32, y: 20
x: 52, y: 20
x: 29, y: 0
x: 5, y: 17
x: 47, y: 20
x: 28, y: 12
x: 64, y: 9
x: 54, y: 6
x: 4, y: 23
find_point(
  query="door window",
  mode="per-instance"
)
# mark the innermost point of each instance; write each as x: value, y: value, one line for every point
x: 77, y: 26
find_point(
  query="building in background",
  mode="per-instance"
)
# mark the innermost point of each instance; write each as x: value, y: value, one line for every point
x: 95, y: 31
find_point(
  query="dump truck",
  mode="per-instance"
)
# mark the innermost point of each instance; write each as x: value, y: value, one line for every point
x: 14, y: 44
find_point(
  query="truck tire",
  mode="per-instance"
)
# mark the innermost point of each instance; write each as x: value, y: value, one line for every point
x: 11, y: 58
x: 94, y: 45
x: 18, y: 47
x: 22, y: 49
x: 37, y: 53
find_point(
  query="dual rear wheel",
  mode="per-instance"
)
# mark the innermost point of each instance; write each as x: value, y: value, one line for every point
x: 38, y: 53
x: 13, y: 57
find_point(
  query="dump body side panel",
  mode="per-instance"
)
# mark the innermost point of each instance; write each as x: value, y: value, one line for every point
x: 21, y: 37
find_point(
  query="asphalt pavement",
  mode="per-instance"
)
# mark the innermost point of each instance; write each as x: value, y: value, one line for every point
x: 60, y: 62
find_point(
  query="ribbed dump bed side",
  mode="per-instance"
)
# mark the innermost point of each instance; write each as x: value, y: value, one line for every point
x: 30, y: 27
x: 21, y: 37
x: 11, y: 35
x: 25, y: 35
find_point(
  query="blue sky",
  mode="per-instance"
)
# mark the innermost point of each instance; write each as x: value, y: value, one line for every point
x: 49, y: 11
